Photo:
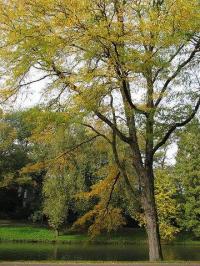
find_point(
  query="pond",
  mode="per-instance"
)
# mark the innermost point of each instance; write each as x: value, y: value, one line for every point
x: 94, y: 252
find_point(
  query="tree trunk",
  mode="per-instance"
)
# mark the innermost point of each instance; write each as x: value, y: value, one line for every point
x: 152, y: 226
x: 56, y: 232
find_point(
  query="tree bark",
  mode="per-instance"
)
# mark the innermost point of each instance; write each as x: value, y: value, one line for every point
x: 56, y: 232
x: 151, y: 217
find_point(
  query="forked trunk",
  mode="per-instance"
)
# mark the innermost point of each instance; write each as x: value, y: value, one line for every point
x: 152, y: 227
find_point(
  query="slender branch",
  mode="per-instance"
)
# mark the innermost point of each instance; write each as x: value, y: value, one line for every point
x: 169, y: 61
x: 113, y: 110
x: 178, y: 70
x: 111, y: 125
x: 70, y: 149
x: 57, y: 98
x: 96, y: 131
x: 177, y: 125
x: 63, y: 77
x: 16, y: 89
x: 13, y: 92
x: 120, y: 164
x: 132, y: 105
x: 34, y: 81
x: 111, y: 191
x: 47, y: 163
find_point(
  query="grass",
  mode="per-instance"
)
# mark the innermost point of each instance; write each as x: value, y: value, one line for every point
x: 31, y: 233
x: 35, y: 234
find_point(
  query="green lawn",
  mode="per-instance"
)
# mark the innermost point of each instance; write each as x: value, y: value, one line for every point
x: 32, y: 233
x: 29, y: 232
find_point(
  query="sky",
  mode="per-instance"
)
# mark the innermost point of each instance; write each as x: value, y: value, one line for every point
x: 32, y: 95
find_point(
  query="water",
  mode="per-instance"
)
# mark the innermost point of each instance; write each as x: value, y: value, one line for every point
x: 38, y: 251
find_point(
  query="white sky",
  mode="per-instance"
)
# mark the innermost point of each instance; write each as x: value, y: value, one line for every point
x: 171, y: 153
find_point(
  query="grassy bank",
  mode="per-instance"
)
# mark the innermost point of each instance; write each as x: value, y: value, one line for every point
x: 32, y: 233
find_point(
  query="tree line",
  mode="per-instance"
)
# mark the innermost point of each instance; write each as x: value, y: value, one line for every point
x: 59, y: 174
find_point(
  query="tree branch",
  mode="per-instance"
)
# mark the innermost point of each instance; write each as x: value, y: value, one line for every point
x: 125, y: 85
x: 61, y: 75
x: 111, y: 125
x: 112, y: 189
x: 169, y: 61
x: 178, y: 70
x: 47, y: 163
x: 177, y: 125
x: 121, y: 166
x: 34, y: 81
x: 17, y: 88
x: 96, y: 131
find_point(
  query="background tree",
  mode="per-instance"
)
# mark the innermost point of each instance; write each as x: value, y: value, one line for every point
x: 93, y: 165
x: 56, y: 195
x: 130, y: 61
x: 56, y: 140
x: 20, y: 193
x: 187, y: 173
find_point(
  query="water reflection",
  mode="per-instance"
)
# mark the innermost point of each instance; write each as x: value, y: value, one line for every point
x: 38, y: 251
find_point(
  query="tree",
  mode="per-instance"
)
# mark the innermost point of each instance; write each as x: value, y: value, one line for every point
x: 13, y: 153
x: 22, y: 190
x: 68, y: 170
x: 56, y: 194
x: 187, y: 173
x: 117, y: 61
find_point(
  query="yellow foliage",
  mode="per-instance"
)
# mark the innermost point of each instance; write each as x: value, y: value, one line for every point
x: 100, y: 220
x: 31, y: 168
x: 103, y: 186
x: 7, y: 180
x: 103, y: 217
x: 168, y: 208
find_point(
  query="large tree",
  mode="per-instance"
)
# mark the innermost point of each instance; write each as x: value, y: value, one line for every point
x: 130, y: 64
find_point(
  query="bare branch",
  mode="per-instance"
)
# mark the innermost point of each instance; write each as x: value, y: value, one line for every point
x: 34, y: 81
x: 48, y: 163
x: 13, y: 92
x: 96, y: 131
x: 16, y: 89
x: 169, y: 61
x: 110, y: 124
x: 121, y: 167
x: 113, y: 110
x: 177, y: 125
x: 57, y: 98
x: 178, y: 70
x: 125, y: 84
